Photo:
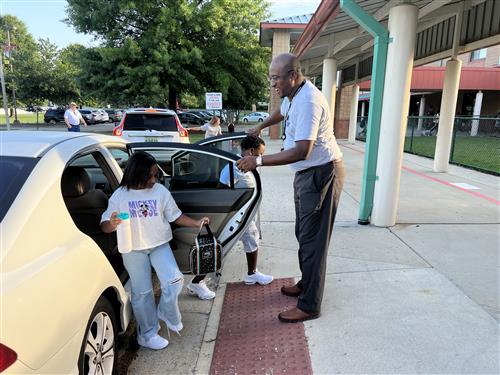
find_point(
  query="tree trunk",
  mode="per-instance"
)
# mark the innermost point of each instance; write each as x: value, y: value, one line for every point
x: 172, y: 99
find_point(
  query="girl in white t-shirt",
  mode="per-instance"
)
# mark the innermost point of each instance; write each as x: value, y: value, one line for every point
x: 211, y: 128
x: 151, y: 209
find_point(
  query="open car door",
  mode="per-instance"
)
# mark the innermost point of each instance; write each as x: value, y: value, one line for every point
x: 192, y: 173
x: 229, y: 142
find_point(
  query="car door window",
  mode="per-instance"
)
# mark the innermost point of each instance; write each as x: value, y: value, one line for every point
x: 192, y: 174
x: 229, y: 142
x: 120, y: 155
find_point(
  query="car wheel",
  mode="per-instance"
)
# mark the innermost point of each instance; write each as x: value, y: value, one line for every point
x: 52, y: 122
x: 260, y: 120
x: 110, y: 120
x: 245, y: 120
x: 99, y: 347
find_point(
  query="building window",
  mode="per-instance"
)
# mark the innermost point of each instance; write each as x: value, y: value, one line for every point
x: 478, y: 54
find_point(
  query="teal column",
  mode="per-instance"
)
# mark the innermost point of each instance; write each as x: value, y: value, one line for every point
x: 381, y: 36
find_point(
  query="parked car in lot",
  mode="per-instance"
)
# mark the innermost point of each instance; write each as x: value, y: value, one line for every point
x: 115, y: 115
x: 203, y: 115
x: 33, y: 108
x: 220, y: 114
x: 64, y: 288
x: 54, y: 115
x: 104, y: 115
x: 256, y: 117
x: 89, y: 116
x: 189, y: 118
x: 151, y: 125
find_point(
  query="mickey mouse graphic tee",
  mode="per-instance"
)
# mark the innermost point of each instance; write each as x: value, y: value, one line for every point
x: 151, y: 212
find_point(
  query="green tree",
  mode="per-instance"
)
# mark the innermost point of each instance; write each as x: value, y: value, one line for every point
x: 154, y: 50
x: 40, y: 72
x: 49, y: 76
x: 18, y: 60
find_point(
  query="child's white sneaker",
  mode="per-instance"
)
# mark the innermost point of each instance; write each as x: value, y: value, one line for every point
x: 156, y: 342
x: 201, y: 290
x: 257, y: 278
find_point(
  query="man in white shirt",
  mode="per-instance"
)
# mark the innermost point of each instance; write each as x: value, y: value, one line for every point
x: 73, y: 117
x: 311, y: 151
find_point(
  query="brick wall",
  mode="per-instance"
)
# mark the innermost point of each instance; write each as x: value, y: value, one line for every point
x: 281, y: 44
x: 492, y: 59
x: 342, y: 112
x: 492, y: 56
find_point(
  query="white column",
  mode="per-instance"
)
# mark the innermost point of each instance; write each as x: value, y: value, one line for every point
x: 330, y: 83
x: 421, y: 112
x: 477, y: 112
x: 353, y: 119
x: 281, y: 44
x: 396, y: 101
x: 363, y: 108
x: 447, y: 115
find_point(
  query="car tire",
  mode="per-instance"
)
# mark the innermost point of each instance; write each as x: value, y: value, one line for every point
x: 99, y: 347
x: 245, y: 120
x: 52, y: 122
x: 110, y: 120
x: 261, y: 120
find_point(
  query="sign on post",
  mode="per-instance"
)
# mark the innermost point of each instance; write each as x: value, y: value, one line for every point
x: 213, y: 100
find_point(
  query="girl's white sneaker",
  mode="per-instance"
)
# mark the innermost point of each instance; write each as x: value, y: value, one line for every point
x: 156, y: 342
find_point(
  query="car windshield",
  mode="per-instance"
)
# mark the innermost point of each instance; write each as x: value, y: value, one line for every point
x: 13, y: 173
x: 148, y: 121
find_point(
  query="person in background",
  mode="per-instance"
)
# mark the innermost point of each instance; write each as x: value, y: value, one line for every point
x: 151, y: 208
x: 230, y: 128
x: 73, y: 118
x: 211, y: 128
x: 252, y: 146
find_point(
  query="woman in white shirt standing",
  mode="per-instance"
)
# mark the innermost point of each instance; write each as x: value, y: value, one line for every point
x: 211, y: 128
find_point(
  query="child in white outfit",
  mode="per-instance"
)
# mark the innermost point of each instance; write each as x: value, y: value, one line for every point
x: 250, y: 145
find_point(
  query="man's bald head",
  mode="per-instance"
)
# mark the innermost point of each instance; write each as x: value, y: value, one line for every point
x: 286, y: 62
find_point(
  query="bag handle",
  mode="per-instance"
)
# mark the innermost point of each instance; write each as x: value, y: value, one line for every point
x: 207, y: 227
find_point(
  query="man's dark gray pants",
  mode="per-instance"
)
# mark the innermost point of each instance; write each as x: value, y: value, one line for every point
x: 316, y: 194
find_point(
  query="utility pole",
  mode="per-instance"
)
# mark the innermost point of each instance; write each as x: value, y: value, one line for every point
x: 4, y: 95
x: 10, y: 47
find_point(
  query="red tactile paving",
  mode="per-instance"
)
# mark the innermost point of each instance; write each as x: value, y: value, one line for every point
x: 251, y: 339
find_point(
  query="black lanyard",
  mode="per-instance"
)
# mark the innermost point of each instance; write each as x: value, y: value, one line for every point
x: 283, y: 136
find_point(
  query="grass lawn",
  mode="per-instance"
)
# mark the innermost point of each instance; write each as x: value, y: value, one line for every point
x: 195, y: 137
x: 478, y: 152
x: 25, y: 118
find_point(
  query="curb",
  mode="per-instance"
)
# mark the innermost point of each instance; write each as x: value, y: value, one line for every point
x: 208, y: 344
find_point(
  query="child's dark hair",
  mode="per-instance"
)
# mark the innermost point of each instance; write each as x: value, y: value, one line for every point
x: 251, y: 141
x: 138, y: 170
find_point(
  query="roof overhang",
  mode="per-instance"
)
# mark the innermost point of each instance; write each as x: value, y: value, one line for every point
x: 295, y: 25
x: 333, y: 33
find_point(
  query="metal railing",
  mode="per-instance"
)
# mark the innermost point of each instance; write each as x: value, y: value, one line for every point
x: 475, y: 143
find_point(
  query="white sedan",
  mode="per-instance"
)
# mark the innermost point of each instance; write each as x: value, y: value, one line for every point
x: 256, y: 117
x: 63, y: 285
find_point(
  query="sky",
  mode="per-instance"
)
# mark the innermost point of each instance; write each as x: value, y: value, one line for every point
x: 44, y: 18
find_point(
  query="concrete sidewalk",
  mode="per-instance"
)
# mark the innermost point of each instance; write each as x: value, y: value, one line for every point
x: 419, y: 297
